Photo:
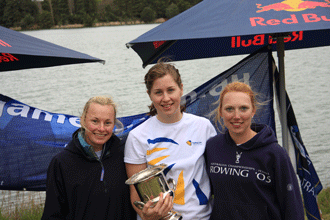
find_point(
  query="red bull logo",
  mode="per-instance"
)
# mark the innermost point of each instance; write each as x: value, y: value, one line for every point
x: 307, y: 18
x: 7, y: 57
x: 293, y: 5
x: 261, y: 39
x: 158, y: 43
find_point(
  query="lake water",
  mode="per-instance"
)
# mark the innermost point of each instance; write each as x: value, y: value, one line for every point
x: 65, y: 89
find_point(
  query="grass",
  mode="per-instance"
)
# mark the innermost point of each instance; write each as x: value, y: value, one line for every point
x: 33, y: 211
x: 25, y: 212
x: 21, y: 205
x: 324, y: 203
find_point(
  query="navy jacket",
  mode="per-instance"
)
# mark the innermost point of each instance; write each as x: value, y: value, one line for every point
x: 75, y: 189
x: 254, y: 180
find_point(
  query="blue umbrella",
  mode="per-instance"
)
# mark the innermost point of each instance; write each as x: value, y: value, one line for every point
x: 21, y: 51
x: 215, y: 28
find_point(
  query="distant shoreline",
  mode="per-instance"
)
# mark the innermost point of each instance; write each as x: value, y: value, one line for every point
x: 99, y: 24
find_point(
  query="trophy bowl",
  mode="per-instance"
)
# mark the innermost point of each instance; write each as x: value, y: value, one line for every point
x: 149, y: 183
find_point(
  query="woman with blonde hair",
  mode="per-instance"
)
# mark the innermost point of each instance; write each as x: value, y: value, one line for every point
x: 87, y: 179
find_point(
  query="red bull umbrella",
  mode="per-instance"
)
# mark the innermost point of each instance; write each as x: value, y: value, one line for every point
x: 21, y: 51
x: 215, y: 28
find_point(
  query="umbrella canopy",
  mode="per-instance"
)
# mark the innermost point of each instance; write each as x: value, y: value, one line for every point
x: 216, y: 28
x: 21, y: 51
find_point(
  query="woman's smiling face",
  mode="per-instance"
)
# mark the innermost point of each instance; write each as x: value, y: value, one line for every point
x: 99, y: 124
x: 165, y: 95
x: 237, y: 112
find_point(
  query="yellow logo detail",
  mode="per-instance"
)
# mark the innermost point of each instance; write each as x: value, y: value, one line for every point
x: 179, y: 192
x: 155, y: 161
x: 149, y: 152
x: 293, y: 5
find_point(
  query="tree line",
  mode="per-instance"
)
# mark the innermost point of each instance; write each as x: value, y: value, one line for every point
x: 45, y: 14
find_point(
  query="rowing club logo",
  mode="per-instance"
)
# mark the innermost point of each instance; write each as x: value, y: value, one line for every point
x: 238, y: 156
x: 293, y: 5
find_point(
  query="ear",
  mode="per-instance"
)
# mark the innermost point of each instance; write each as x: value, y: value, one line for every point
x: 181, y: 87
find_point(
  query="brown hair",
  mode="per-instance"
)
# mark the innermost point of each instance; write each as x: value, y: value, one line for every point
x: 159, y: 70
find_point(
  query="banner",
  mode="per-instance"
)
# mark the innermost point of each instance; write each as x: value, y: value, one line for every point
x: 309, y: 180
x: 30, y: 137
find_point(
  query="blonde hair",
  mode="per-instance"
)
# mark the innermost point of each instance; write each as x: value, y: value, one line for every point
x: 235, y: 87
x: 102, y: 100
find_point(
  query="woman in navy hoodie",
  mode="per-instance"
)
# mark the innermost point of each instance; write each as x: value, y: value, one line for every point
x: 87, y: 179
x: 251, y: 174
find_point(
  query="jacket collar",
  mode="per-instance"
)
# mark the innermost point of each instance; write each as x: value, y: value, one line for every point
x: 83, y: 147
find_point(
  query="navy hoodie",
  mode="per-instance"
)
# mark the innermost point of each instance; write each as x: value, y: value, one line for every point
x: 78, y: 189
x: 254, y: 180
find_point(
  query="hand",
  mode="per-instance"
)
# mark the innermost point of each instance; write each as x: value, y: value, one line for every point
x: 161, y: 209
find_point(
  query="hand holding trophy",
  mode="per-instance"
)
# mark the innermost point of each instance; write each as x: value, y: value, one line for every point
x: 149, y: 183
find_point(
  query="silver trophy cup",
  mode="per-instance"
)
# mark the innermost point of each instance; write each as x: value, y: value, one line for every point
x: 149, y: 183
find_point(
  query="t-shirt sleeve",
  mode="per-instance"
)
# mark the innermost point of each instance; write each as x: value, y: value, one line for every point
x: 211, y: 130
x: 135, y: 152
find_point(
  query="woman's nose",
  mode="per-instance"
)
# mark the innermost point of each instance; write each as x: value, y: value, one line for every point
x: 166, y: 96
x: 101, y: 127
x: 236, y: 114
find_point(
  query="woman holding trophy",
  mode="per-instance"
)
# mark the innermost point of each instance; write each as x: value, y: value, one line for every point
x: 175, y: 138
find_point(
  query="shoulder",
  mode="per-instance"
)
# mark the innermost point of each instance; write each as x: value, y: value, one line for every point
x: 216, y: 139
x: 141, y: 130
x: 66, y: 153
x: 150, y: 121
x: 279, y: 151
x: 196, y: 118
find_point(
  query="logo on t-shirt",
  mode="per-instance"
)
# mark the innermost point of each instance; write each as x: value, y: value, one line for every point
x: 189, y: 142
x: 161, y: 139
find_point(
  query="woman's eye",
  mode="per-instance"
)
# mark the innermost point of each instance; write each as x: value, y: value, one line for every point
x: 229, y: 109
x: 244, y: 108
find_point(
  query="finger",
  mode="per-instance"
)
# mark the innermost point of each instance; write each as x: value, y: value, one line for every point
x: 160, y: 201
x: 171, y: 202
x: 147, y: 206
x: 167, y: 205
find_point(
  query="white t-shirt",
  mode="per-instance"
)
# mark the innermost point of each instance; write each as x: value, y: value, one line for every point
x: 181, y: 146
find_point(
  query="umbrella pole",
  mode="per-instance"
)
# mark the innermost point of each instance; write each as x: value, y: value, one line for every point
x: 283, y: 115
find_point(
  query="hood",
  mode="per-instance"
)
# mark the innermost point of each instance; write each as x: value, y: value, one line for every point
x: 265, y: 136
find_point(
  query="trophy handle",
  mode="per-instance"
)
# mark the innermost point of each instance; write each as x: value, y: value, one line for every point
x: 172, y: 182
x: 139, y: 204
